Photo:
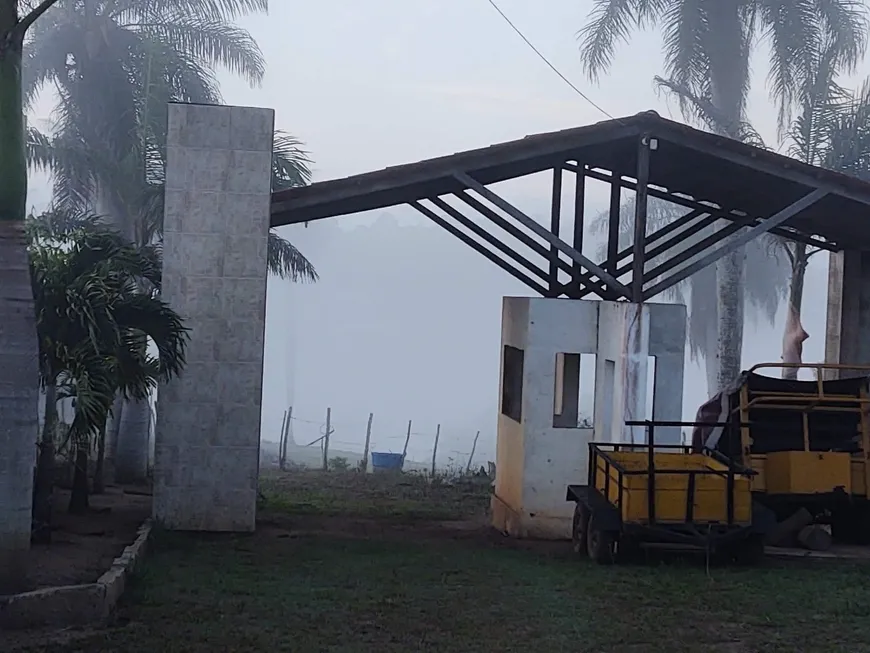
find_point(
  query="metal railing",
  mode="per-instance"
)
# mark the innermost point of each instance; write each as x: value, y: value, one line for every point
x: 600, y: 451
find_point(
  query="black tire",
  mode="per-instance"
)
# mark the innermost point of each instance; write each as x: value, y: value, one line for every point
x: 578, y: 529
x: 750, y: 552
x: 600, y: 544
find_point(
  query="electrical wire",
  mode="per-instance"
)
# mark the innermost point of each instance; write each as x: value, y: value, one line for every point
x: 545, y: 60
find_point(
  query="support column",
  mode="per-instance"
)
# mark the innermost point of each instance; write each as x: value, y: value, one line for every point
x: 216, y: 230
x: 847, y: 334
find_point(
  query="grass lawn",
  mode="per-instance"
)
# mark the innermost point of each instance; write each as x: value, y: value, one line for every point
x: 346, y: 583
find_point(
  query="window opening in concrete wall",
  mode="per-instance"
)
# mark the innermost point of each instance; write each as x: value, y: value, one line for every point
x: 574, y: 392
x: 512, y: 383
x: 650, y: 387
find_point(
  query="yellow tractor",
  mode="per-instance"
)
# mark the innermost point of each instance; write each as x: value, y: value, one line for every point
x: 807, y: 442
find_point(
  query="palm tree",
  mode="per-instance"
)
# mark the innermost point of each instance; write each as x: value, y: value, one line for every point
x: 136, y: 56
x: 831, y: 130
x: 290, y: 168
x: 110, y: 158
x: 707, y: 47
x: 18, y: 346
x: 93, y: 318
x: 53, y: 154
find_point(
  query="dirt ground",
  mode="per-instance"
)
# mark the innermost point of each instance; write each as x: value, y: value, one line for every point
x: 83, y: 546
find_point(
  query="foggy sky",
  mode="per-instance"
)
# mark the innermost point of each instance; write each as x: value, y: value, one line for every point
x: 405, y: 322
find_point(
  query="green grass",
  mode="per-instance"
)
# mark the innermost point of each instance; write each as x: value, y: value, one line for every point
x: 421, y: 589
x: 408, y: 496
x: 268, y: 593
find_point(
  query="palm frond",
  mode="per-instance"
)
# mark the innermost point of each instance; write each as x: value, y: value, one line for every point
x: 58, y: 225
x: 217, y: 42
x: 685, y: 32
x: 138, y: 313
x: 848, y: 136
x: 206, y: 10
x: 95, y: 313
x: 702, y: 110
x: 290, y: 162
x: 287, y: 262
x: 793, y: 30
x: 609, y: 22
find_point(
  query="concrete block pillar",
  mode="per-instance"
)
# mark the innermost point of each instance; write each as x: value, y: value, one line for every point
x: 216, y: 226
x: 847, y: 334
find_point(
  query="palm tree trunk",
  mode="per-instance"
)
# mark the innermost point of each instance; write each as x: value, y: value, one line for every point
x: 131, y: 420
x: 113, y: 427
x: 727, y: 82
x: 19, y: 372
x: 729, y: 347
x: 99, y: 471
x: 78, y: 500
x: 131, y: 449
x: 792, y: 342
x: 43, y: 489
x: 798, y: 274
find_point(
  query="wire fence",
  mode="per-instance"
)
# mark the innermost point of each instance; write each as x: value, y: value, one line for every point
x: 449, y: 447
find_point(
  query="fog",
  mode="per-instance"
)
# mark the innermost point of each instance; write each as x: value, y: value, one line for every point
x: 405, y: 320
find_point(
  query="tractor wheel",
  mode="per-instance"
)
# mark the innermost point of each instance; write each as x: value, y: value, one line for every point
x: 578, y: 529
x: 600, y: 544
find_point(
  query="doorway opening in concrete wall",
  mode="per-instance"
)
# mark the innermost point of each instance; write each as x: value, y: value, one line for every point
x: 574, y: 392
x: 512, y: 383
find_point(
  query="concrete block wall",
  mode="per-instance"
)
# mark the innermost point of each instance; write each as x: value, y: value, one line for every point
x: 535, y: 459
x: 216, y: 227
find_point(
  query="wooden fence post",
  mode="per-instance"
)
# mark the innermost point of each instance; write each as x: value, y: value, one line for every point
x: 471, y: 457
x: 326, y: 439
x: 287, y: 428
x: 435, y: 448
x: 407, y: 440
x: 365, y: 460
x: 281, y: 440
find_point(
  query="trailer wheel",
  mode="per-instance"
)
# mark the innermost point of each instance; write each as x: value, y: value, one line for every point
x: 579, y: 528
x: 600, y: 544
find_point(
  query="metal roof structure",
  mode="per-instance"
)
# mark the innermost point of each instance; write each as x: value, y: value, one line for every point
x: 713, y: 177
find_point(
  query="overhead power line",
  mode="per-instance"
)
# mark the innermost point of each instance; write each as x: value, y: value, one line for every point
x: 545, y: 60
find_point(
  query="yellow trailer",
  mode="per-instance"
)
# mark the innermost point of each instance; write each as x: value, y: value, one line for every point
x: 645, y: 494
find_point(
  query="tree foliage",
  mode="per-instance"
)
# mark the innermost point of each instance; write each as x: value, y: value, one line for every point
x: 96, y: 301
x: 700, y: 36
x: 137, y: 57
